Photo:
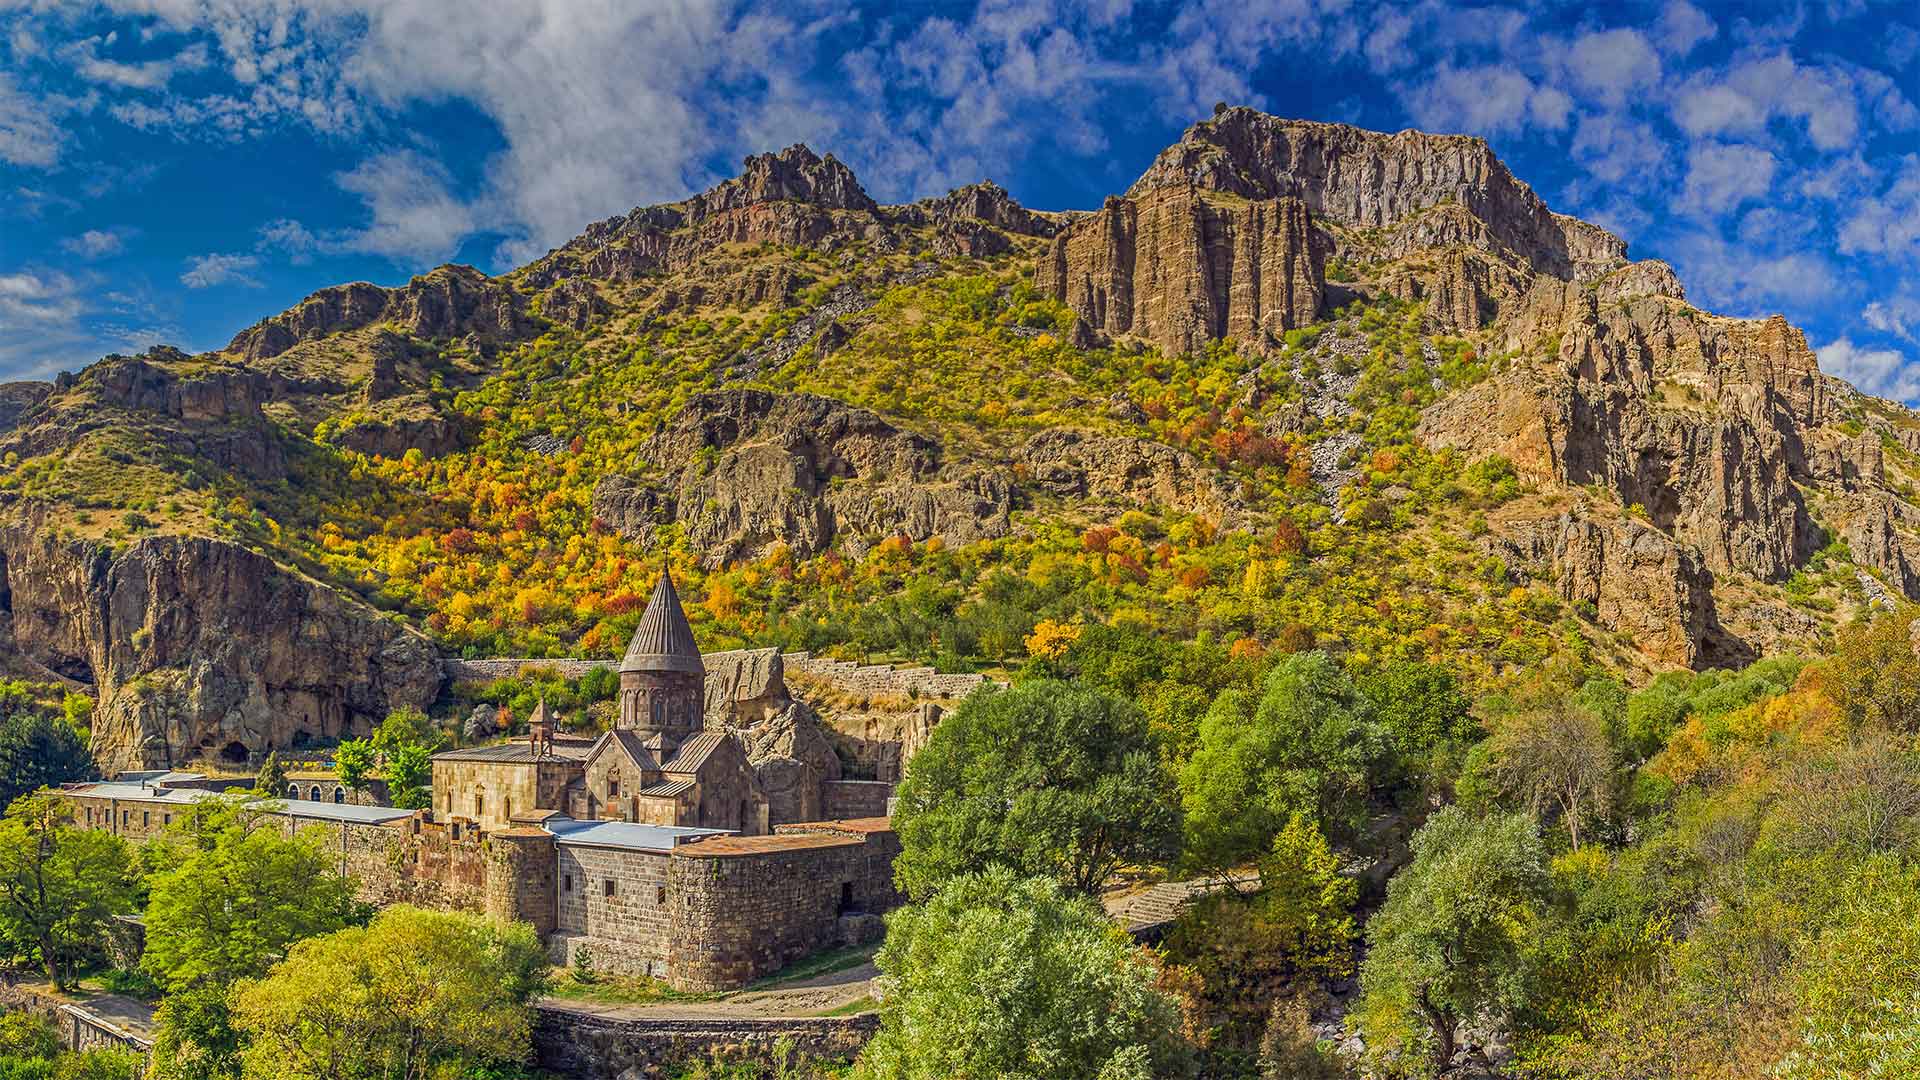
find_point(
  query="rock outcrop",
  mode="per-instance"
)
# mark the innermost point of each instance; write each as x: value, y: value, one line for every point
x: 750, y: 468
x: 1121, y: 471
x: 450, y: 302
x: 1635, y: 579
x: 198, y: 647
x: 1178, y: 269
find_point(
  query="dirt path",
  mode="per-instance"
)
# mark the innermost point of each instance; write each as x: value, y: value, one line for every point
x: 802, y: 997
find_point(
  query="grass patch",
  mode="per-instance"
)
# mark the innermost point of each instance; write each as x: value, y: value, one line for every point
x: 863, y: 1004
x: 566, y: 985
x: 818, y: 964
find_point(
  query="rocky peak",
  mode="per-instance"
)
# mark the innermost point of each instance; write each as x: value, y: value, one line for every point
x: 985, y: 201
x: 795, y: 174
x: 1371, y: 179
x: 451, y: 301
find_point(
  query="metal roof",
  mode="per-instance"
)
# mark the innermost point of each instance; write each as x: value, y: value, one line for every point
x: 627, y: 835
x: 693, y: 753
x: 663, y: 641
x: 298, y: 808
x: 669, y: 788
x: 519, y: 752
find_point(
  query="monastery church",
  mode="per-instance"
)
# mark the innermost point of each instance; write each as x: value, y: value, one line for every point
x: 658, y: 766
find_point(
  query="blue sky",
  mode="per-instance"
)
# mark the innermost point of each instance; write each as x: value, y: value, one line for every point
x: 172, y: 170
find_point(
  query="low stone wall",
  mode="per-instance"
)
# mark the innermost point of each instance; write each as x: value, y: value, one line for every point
x: 865, y: 680
x: 588, y: 1047
x: 881, y: 680
x: 104, y: 1022
x: 841, y: 800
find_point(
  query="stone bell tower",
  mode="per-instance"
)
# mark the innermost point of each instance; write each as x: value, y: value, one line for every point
x: 662, y: 681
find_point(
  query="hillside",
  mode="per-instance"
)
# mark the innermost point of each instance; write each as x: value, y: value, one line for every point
x: 1300, y: 384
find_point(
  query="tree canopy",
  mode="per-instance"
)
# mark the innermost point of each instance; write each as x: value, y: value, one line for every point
x: 1047, y: 778
x: 413, y: 995
x: 60, y: 884
x: 1008, y: 977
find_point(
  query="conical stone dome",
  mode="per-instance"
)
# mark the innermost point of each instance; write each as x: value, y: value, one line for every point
x: 663, y: 641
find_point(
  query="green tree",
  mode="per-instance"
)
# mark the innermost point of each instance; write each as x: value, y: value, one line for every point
x: 103, y: 1063
x: 408, y: 726
x: 1874, y: 675
x: 413, y: 995
x: 37, y: 751
x: 194, y: 1037
x: 354, y: 760
x: 1250, y: 950
x: 1449, y: 947
x: 1000, y: 976
x: 1420, y: 708
x: 272, y: 781
x: 60, y: 885
x: 1307, y: 745
x: 1048, y: 778
x: 409, y: 769
x: 232, y: 907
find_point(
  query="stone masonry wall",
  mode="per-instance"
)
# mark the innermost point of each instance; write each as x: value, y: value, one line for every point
x: 841, y: 799
x: 587, y: 1047
x: 870, y: 680
x: 626, y: 929
x: 741, y: 917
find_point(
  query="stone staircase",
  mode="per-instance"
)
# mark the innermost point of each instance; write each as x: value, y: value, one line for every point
x: 1149, y: 912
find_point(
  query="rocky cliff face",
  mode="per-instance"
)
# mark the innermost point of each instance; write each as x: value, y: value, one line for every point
x: 198, y: 647
x: 750, y: 468
x: 451, y: 302
x: 1179, y: 270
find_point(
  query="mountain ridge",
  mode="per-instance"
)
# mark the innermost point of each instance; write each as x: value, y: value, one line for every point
x: 1349, y: 307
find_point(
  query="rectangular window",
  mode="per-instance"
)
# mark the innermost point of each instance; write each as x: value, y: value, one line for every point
x: 609, y: 886
x: 146, y: 819
x: 661, y: 896
x: 123, y: 818
x: 479, y: 805
x: 566, y: 883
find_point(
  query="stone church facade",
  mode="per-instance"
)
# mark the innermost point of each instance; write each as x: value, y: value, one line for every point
x: 648, y: 850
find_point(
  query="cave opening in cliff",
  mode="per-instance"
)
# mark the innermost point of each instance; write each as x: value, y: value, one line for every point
x: 234, y: 754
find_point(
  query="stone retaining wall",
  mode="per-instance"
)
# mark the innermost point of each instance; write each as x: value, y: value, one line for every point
x: 587, y: 1047
x: 841, y: 800
x: 867, y: 680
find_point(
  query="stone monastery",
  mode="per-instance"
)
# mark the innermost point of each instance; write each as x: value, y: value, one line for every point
x: 648, y: 850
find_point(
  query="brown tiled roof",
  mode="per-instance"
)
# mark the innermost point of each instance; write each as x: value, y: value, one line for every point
x: 740, y: 846
x: 663, y: 641
x: 865, y: 826
x: 518, y: 752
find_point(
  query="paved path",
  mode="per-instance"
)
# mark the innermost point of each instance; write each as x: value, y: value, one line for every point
x: 1154, y: 908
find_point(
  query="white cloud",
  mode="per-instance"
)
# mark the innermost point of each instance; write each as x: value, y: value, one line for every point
x: 95, y: 243
x: 29, y: 134
x: 1721, y: 176
x: 1746, y: 280
x: 206, y: 271
x: 1826, y: 99
x: 1880, y: 372
x: 1898, y: 315
x: 1613, y: 64
x: 1683, y: 26
x: 415, y: 216
x: 290, y: 237
x: 52, y: 321
x: 1488, y: 100
x: 1887, y: 223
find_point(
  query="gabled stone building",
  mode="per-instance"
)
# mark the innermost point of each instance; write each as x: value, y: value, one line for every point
x: 661, y: 765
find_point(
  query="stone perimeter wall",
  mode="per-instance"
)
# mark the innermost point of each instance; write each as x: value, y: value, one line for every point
x: 870, y: 680
x: 576, y: 1044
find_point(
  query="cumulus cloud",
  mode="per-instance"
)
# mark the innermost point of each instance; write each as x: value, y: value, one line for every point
x: 1898, y: 315
x: 1884, y: 373
x: 1721, y: 176
x: 1888, y: 222
x: 1682, y: 27
x: 415, y: 215
x: 1487, y: 100
x: 289, y: 237
x: 53, y: 321
x: 1826, y: 99
x: 206, y: 271
x: 95, y: 243
x: 1612, y: 64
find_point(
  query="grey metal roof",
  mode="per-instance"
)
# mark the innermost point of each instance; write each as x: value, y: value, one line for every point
x: 668, y: 789
x: 299, y: 808
x: 626, y: 834
x: 663, y: 641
